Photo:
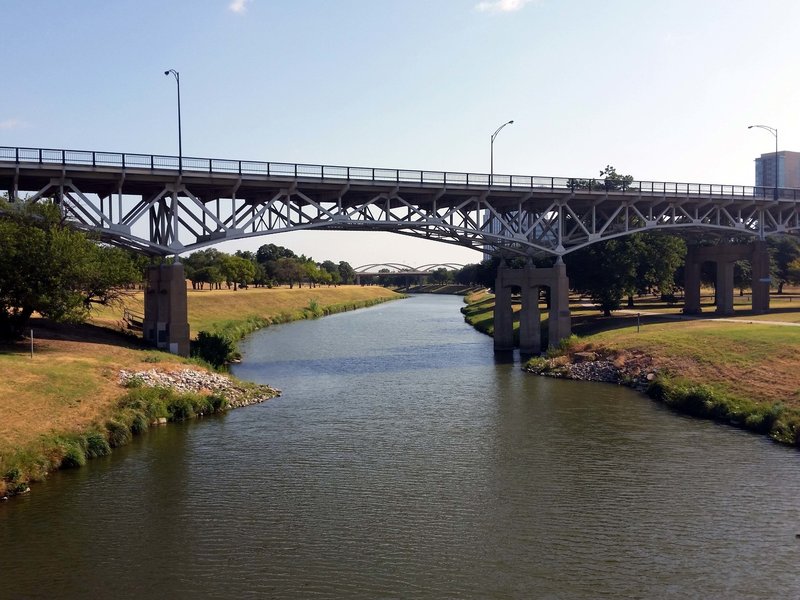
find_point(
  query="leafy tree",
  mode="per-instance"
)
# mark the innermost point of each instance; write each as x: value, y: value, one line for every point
x: 50, y: 268
x: 237, y: 271
x: 442, y: 276
x: 604, y: 271
x: 783, y: 249
x: 347, y: 273
x: 271, y: 252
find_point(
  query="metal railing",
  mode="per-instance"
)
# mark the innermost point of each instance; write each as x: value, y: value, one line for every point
x: 197, y: 166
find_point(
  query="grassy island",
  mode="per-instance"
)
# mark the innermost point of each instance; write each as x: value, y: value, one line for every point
x: 66, y: 403
x: 740, y: 370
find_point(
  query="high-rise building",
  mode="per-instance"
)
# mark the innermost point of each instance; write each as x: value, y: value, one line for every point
x: 787, y: 164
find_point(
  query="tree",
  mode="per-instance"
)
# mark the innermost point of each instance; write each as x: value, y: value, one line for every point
x: 347, y: 273
x: 271, y: 252
x: 603, y: 271
x: 50, y: 268
x: 238, y: 271
x: 783, y: 249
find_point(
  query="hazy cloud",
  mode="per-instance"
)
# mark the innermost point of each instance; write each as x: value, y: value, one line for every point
x: 497, y: 6
x: 11, y: 124
x: 238, y: 6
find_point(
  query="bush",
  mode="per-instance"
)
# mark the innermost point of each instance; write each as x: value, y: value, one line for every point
x: 96, y: 445
x: 214, y: 348
x: 119, y: 433
x: 74, y: 454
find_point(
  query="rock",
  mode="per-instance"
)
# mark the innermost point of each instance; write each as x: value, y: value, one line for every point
x: 579, y: 357
x: 191, y: 380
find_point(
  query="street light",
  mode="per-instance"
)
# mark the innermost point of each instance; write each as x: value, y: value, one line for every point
x: 180, y: 143
x: 491, y: 152
x: 774, y: 132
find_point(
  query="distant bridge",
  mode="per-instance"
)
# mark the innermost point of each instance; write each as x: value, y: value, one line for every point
x: 401, y: 270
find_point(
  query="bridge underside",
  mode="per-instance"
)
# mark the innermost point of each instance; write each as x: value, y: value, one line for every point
x: 159, y: 212
x: 143, y: 202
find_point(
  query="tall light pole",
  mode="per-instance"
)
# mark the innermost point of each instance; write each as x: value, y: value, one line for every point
x: 774, y: 132
x: 180, y: 142
x: 491, y: 151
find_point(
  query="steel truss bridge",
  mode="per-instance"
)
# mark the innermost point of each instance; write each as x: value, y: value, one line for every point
x: 150, y: 203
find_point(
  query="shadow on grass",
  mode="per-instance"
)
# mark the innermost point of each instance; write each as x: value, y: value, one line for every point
x: 46, y: 330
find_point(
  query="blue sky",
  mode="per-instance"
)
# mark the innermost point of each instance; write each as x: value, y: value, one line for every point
x: 661, y: 90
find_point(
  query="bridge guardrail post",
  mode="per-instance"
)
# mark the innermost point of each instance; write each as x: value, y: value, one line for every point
x: 94, y: 162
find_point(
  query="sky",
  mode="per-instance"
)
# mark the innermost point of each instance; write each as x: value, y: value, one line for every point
x: 662, y: 91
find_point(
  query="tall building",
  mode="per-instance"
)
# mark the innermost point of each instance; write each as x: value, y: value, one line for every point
x: 788, y: 165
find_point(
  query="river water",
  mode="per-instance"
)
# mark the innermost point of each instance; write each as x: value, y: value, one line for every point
x: 404, y: 461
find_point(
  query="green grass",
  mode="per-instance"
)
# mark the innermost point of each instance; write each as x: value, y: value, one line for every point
x: 740, y: 373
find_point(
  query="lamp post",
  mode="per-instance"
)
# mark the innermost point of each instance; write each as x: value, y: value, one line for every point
x: 774, y: 132
x: 180, y: 143
x: 491, y: 151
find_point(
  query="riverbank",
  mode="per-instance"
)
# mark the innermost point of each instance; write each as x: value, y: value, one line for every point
x: 57, y: 406
x: 741, y: 371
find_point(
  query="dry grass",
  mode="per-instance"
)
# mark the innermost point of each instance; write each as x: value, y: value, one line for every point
x: 209, y: 309
x: 70, y: 382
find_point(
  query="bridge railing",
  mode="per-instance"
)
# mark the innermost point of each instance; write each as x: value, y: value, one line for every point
x: 194, y: 165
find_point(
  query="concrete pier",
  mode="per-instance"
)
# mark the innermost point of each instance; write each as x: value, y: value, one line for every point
x: 724, y: 256
x: 166, y: 321
x: 530, y: 280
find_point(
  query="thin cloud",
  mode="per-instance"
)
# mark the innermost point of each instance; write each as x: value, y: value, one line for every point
x: 12, y: 124
x: 238, y: 6
x: 501, y: 6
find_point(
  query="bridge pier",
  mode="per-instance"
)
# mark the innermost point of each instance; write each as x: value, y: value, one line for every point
x: 530, y: 280
x: 724, y: 256
x: 166, y: 321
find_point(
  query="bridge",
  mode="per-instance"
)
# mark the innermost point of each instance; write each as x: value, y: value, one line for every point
x: 165, y: 206
x: 401, y: 270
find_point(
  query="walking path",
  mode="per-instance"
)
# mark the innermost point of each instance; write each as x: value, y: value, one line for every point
x: 682, y: 317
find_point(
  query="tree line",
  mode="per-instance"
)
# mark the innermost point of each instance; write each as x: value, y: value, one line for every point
x: 269, y: 266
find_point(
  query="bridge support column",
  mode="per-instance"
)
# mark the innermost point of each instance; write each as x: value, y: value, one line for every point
x: 530, y: 322
x: 759, y: 266
x: 529, y: 280
x: 503, y: 315
x: 724, y: 287
x: 559, y: 320
x: 725, y: 257
x: 166, y: 322
x: 691, y: 284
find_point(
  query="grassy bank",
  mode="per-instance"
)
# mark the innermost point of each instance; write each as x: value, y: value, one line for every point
x: 742, y: 371
x: 54, y: 405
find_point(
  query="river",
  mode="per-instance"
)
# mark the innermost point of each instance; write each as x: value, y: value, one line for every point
x: 404, y: 461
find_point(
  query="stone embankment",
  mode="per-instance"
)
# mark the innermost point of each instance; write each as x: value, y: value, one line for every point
x: 195, y: 381
x: 632, y: 369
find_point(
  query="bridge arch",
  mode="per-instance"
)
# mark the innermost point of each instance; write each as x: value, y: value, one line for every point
x: 161, y: 205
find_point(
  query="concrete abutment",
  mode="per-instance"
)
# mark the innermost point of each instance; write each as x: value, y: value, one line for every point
x: 725, y: 256
x: 166, y: 316
x: 530, y: 280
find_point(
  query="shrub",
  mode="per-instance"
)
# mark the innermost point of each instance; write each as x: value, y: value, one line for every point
x: 215, y: 348
x: 119, y: 433
x: 73, y: 455
x: 96, y: 445
x: 180, y: 407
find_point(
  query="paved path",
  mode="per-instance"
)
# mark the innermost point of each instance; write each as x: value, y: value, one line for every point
x: 696, y: 318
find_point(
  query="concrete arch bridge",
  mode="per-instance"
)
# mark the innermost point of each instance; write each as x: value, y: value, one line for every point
x: 166, y: 205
